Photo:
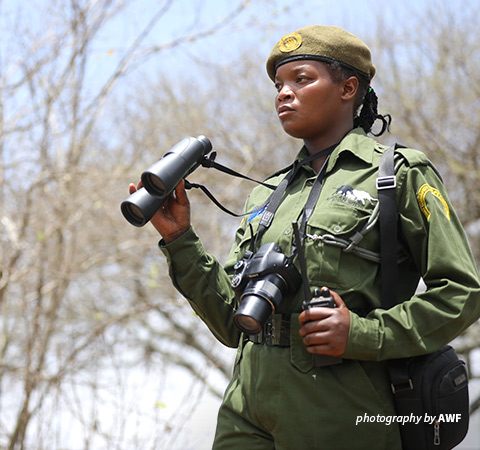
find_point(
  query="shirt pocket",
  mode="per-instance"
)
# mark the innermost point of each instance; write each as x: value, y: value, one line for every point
x: 328, y: 233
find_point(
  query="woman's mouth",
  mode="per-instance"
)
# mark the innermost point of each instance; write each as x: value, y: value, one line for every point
x: 284, y: 110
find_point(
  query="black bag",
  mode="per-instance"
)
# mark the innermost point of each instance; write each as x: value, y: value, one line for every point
x: 432, y: 387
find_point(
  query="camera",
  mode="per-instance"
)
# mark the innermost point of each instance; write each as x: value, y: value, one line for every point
x: 160, y: 179
x: 260, y: 280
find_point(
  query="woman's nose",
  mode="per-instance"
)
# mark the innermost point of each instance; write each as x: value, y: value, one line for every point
x: 285, y: 93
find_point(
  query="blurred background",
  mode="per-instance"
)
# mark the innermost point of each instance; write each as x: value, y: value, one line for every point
x: 97, y: 349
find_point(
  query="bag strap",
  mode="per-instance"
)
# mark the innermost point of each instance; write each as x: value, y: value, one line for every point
x: 386, y: 186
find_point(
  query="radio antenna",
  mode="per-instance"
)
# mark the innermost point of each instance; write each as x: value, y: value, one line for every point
x: 303, y: 265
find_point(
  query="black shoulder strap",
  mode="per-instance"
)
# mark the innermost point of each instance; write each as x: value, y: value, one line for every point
x: 386, y: 184
x: 386, y: 187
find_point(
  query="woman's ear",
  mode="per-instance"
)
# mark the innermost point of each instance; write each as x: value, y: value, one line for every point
x: 350, y: 88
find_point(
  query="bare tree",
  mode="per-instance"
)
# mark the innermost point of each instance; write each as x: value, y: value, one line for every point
x: 77, y: 301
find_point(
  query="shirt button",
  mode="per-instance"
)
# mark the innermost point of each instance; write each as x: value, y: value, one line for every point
x: 337, y: 228
x: 288, y: 231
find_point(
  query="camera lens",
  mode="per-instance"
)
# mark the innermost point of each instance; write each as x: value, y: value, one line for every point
x: 252, y: 314
x: 248, y: 324
x: 258, y: 302
x: 268, y: 274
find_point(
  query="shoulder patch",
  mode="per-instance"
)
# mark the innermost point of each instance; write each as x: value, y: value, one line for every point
x: 422, y: 201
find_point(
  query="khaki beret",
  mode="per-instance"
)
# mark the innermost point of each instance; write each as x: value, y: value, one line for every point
x: 322, y: 43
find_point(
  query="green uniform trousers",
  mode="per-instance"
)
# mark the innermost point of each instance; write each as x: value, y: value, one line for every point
x: 278, y: 400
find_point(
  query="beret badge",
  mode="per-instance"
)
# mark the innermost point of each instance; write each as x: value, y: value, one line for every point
x: 290, y: 42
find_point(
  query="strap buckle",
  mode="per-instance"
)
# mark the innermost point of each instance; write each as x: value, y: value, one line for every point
x: 269, y: 333
x: 276, y: 332
x: 388, y: 182
x: 400, y: 387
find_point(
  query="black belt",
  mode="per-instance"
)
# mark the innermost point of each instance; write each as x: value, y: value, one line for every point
x: 276, y: 332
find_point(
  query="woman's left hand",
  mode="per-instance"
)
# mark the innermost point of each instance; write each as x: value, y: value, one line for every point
x: 325, y: 330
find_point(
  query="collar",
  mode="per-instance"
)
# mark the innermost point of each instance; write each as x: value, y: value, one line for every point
x: 356, y: 142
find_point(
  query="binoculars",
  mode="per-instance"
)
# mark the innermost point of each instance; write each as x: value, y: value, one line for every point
x: 160, y: 179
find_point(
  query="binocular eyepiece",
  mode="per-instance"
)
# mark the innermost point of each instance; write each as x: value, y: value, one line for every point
x: 160, y: 179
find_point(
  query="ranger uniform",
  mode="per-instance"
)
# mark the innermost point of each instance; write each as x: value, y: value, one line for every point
x: 277, y: 397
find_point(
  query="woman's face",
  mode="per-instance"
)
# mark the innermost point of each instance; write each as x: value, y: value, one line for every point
x: 308, y: 103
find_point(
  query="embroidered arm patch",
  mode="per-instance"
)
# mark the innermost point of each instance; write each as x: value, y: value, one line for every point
x: 422, y: 193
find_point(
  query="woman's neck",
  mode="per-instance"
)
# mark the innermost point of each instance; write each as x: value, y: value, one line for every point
x: 318, y: 144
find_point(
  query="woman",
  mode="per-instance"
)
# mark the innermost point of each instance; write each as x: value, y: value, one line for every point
x: 279, y: 396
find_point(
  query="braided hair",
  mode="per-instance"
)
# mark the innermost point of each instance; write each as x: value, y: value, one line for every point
x: 366, y: 102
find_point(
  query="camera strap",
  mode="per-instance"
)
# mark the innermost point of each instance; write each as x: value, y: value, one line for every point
x: 209, y: 162
x: 273, y: 202
x: 309, y: 207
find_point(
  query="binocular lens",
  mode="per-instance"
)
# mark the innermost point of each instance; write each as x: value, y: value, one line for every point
x: 156, y: 185
x: 134, y: 213
x: 140, y: 207
x: 160, y: 180
x: 159, y: 185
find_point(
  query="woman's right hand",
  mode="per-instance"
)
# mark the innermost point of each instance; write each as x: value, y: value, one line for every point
x: 173, y: 217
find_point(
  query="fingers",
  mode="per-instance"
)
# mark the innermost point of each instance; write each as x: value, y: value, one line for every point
x: 323, y: 341
x: 318, y: 337
x: 181, y: 193
x: 337, y: 299
x: 132, y: 188
x: 319, y: 325
x: 319, y: 313
x: 316, y: 313
x: 325, y: 330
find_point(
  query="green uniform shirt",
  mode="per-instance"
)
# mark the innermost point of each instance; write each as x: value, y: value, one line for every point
x: 430, y: 234
x: 432, y: 243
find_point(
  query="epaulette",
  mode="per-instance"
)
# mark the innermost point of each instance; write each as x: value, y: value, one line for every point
x: 416, y: 158
x: 413, y: 157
